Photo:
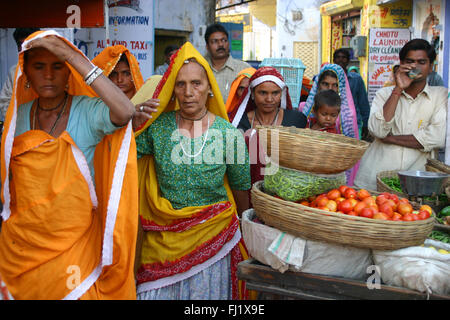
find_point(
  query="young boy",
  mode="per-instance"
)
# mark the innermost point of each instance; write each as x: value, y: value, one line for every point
x: 327, y: 106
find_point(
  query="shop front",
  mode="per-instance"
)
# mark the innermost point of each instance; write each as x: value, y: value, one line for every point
x: 373, y: 31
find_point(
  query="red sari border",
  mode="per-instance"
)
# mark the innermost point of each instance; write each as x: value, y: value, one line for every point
x: 154, y: 271
x: 180, y: 225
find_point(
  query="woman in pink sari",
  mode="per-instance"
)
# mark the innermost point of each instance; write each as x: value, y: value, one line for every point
x: 347, y: 123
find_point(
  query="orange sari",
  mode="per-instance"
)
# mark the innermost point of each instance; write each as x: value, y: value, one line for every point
x: 233, y: 99
x: 64, y: 237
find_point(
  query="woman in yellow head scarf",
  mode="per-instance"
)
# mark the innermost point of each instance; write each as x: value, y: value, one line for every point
x: 70, y: 208
x: 199, y: 163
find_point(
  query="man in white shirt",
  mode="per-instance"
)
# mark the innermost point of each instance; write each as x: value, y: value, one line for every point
x: 223, y: 65
x: 408, y: 120
x: 20, y: 34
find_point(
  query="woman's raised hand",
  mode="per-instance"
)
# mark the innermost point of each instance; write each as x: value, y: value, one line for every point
x: 55, y: 45
x: 143, y: 112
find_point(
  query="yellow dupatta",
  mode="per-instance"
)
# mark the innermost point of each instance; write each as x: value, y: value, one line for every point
x: 164, y: 250
x: 63, y: 238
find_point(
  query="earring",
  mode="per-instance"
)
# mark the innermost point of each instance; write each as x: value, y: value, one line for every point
x: 27, y: 85
x: 173, y: 98
x: 211, y: 94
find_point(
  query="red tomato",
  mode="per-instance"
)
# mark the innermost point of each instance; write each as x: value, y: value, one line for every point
x: 362, y: 194
x: 345, y: 206
x: 408, y: 217
x: 415, y: 216
x: 352, y: 213
x: 333, y: 194
x: 374, y: 208
x: 322, y: 201
x: 381, y: 199
x: 424, y: 214
x: 342, y: 189
x: 370, y: 201
x: 404, y: 208
x: 332, y: 205
x: 392, y: 203
x: 350, y: 193
x: 359, y: 207
x: 386, y: 208
x: 366, y: 213
x: 397, y: 216
x: 381, y: 216
x: 394, y: 197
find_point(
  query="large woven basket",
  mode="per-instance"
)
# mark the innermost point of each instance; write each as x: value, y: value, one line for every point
x: 320, y: 225
x: 311, y: 150
x: 383, y: 187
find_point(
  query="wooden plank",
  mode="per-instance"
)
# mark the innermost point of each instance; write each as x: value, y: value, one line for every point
x: 306, y: 283
x: 271, y: 290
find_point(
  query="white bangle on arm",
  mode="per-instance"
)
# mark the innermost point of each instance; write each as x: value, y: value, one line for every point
x: 92, y: 75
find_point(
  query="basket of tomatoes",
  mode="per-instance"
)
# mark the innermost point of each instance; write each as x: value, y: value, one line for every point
x: 348, y: 216
x: 299, y: 149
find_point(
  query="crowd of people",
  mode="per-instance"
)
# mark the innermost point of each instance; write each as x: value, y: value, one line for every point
x: 116, y: 187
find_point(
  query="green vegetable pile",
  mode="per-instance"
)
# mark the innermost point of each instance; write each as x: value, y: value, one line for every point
x: 293, y: 185
x: 443, y: 214
x: 440, y: 236
x: 394, y: 184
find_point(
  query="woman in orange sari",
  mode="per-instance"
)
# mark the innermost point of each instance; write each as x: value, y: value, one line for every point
x: 237, y: 88
x: 121, y: 67
x: 70, y: 202
x: 191, y: 237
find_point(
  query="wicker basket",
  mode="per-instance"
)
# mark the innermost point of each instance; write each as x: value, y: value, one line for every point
x: 319, y: 225
x: 383, y: 187
x: 311, y: 150
x: 437, y: 166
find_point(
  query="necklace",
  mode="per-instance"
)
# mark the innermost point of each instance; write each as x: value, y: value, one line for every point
x: 274, y: 119
x: 203, y: 145
x: 206, y: 111
x: 36, y: 116
x: 54, y: 108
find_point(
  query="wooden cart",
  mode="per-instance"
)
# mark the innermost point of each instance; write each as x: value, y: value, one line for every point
x: 272, y: 284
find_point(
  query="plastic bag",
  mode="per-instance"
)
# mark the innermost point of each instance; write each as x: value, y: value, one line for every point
x: 418, y: 268
x: 300, y: 255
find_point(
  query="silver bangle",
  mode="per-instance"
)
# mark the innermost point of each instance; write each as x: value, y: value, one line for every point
x: 90, y: 72
x: 93, y: 74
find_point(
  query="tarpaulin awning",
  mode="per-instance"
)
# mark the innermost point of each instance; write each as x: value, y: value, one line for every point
x: 340, y: 6
x: 265, y: 11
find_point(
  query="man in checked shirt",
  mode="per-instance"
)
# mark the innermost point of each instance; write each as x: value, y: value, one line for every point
x: 223, y: 65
